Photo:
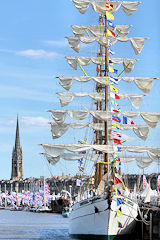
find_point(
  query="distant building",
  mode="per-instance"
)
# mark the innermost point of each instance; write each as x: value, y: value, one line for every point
x: 17, y: 161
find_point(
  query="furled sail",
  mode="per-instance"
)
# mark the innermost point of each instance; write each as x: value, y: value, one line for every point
x: 67, y: 97
x: 136, y: 42
x: 84, y: 61
x: 128, y: 7
x: 58, y: 149
x: 59, y: 116
x: 143, y: 83
x: 59, y: 130
x: 99, y: 31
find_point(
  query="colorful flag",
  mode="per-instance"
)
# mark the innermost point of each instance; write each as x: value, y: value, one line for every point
x: 109, y: 15
x: 118, y: 141
x: 110, y: 51
x: 117, y: 149
x: 109, y: 43
x: 114, y: 110
x: 111, y: 33
x: 112, y: 88
x: 117, y: 158
x: 117, y: 134
x: 80, y: 161
x: 116, y: 119
x: 118, y: 192
x: 117, y: 180
x: 127, y: 120
x: 114, y: 80
x: 119, y: 202
x: 115, y: 170
x: 144, y: 182
x: 119, y: 213
x: 119, y: 224
x: 114, y: 95
x: 115, y: 125
x: 109, y: 6
x: 110, y: 23
x: 112, y: 70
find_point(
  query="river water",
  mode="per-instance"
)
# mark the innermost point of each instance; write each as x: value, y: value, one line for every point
x: 30, y: 225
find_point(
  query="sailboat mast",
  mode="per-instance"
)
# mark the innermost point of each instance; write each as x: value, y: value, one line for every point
x: 106, y: 95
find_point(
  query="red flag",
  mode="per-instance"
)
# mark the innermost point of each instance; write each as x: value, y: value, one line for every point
x: 116, y: 96
x: 118, y: 141
x: 117, y: 180
x: 110, y: 6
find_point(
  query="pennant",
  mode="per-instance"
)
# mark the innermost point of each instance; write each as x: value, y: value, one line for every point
x: 114, y: 103
x: 116, y: 125
x: 113, y: 89
x: 110, y: 51
x: 118, y: 192
x: 109, y: 43
x: 119, y: 213
x: 119, y: 202
x: 118, y: 141
x: 119, y: 224
x: 115, y: 170
x: 116, y: 119
x: 114, y: 80
x: 109, y: 15
x: 117, y: 158
x: 112, y: 70
x: 114, y: 110
x: 111, y: 33
x: 117, y: 134
x: 110, y: 24
x: 80, y: 161
x: 117, y: 180
x: 114, y: 95
x: 127, y: 120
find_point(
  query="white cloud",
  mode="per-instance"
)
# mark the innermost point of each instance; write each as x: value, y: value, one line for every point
x: 37, y: 121
x: 37, y: 53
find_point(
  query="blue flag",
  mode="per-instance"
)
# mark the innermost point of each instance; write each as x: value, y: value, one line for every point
x: 119, y: 202
x: 110, y: 23
x: 114, y: 80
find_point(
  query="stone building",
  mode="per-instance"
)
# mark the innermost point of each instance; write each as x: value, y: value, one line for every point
x: 17, y: 160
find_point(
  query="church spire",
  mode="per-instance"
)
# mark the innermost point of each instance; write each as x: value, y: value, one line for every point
x: 17, y: 160
x: 17, y: 140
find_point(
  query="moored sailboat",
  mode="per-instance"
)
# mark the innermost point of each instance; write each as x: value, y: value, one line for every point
x: 110, y: 211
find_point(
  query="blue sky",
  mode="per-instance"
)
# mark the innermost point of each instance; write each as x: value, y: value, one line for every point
x: 32, y: 50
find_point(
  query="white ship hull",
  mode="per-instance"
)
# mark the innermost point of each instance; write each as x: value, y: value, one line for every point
x: 92, y: 217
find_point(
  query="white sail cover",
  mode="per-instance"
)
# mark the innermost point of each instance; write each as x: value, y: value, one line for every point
x: 59, y: 130
x: 67, y: 97
x: 59, y: 116
x: 99, y: 31
x: 58, y: 149
x: 128, y: 7
x: 143, y: 83
x: 84, y: 61
x: 136, y: 42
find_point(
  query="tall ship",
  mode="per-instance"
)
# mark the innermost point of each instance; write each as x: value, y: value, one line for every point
x: 108, y: 210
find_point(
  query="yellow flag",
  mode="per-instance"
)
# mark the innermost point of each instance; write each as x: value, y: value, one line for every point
x: 113, y: 89
x: 93, y: 180
x: 109, y: 15
x: 115, y: 190
x: 93, y: 173
x: 114, y: 103
x: 111, y: 69
x: 116, y: 125
x: 119, y: 213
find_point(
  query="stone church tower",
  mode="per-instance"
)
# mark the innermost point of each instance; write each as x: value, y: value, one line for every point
x: 17, y: 161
